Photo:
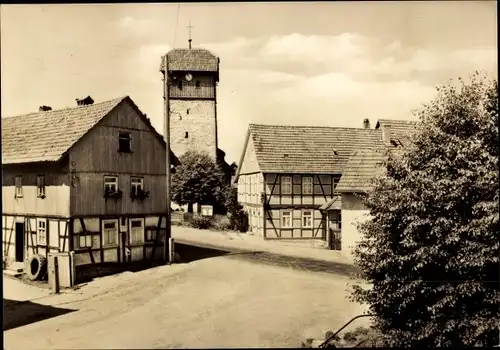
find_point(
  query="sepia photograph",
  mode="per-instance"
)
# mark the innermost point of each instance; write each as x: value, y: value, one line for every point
x: 250, y: 175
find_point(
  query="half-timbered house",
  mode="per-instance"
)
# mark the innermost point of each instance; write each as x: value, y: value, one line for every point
x: 88, y: 179
x: 289, y: 178
x: 286, y: 173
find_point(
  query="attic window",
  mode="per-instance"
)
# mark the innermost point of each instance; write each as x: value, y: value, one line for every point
x: 40, y: 185
x: 18, y: 181
x: 186, y: 135
x: 124, y: 142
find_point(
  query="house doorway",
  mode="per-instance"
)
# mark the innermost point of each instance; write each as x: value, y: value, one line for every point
x: 335, y: 229
x: 19, y: 241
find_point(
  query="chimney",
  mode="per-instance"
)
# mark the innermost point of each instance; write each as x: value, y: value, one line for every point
x: 386, y: 135
x: 366, y: 123
x: 44, y: 108
x: 84, y: 101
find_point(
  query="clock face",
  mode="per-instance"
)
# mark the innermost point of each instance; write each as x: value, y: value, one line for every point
x: 189, y: 77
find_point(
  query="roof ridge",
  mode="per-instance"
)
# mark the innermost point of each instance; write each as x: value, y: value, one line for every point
x: 397, y: 120
x: 117, y: 99
x: 310, y: 126
x: 192, y: 49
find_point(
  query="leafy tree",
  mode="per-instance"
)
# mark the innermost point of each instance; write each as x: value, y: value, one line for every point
x: 431, y: 245
x: 237, y: 215
x: 198, y: 179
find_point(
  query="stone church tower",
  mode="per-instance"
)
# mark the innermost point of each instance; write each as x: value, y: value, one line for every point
x: 192, y: 78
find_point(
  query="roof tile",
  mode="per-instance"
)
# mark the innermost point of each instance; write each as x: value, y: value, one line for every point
x: 191, y: 60
x: 308, y: 149
x: 47, y: 135
x: 360, y: 169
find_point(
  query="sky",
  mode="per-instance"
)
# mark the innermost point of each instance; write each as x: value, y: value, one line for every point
x: 314, y: 63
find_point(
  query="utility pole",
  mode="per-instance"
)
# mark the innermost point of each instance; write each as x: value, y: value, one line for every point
x: 190, y: 39
x: 166, y: 133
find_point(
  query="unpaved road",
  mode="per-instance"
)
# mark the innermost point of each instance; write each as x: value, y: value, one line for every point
x: 223, y: 301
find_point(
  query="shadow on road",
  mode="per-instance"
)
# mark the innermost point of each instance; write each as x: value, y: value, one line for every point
x: 189, y: 253
x: 297, y: 263
x: 21, y: 313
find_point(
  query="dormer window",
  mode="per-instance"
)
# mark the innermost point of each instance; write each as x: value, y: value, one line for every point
x: 124, y: 142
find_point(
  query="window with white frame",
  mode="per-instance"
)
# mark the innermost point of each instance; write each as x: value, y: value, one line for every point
x: 85, y: 241
x: 40, y: 186
x: 18, y: 182
x: 110, y: 184
x: 110, y: 233
x: 136, y: 231
x: 151, y: 234
x: 42, y: 232
x: 307, y: 219
x: 286, y: 219
x: 136, y: 184
x: 307, y: 185
x: 286, y: 185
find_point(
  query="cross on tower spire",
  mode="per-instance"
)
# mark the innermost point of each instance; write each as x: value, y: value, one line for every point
x: 190, y: 27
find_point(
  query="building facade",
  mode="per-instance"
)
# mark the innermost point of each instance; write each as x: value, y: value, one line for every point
x: 287, y: 173
x: 88, y: 180
x: 362, y: 166
x: 192, y: 77
x: 289, y: 178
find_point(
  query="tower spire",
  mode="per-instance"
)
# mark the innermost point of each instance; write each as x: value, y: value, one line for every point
x: 190, y: 40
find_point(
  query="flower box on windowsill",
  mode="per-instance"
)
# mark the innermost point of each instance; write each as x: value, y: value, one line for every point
x: 140, y: 195
x: 113, y: 195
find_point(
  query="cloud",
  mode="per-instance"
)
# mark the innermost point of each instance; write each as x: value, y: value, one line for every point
x: 349, y: 53
x: 321, y: 80
x: 314, y: 48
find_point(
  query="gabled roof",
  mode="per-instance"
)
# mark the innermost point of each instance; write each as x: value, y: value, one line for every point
x: 361, y: 167
x: 191, y: 60
x: 46, y: 136
x: 307, y: 149
x: 400, y: 130
x: 333, y: 204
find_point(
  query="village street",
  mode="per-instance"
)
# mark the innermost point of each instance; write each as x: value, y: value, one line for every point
x: 242, y: 299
